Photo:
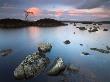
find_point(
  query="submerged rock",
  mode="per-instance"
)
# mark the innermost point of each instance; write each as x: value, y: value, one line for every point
x: 57, y: 67
x: 100, y: 50
x: 67, y: 42
x: 5, y: 52
x: 85, y: 53
x: 44, y: 47
x: 72, y: 68
x: 32, y: 65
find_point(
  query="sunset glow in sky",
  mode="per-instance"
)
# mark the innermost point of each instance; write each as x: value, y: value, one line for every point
x: 34, y: 11
x: 61, y: 9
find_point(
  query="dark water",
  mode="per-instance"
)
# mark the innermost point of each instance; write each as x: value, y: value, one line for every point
x: 24, y: 41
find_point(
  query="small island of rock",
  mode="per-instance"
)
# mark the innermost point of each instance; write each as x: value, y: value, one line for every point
x: 15, y: 23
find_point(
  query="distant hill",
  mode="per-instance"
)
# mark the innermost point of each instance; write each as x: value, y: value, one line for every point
x: 49, y: 22
x: 14, y: 23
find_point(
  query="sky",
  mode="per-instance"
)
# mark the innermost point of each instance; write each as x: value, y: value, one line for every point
x: 57, y: 9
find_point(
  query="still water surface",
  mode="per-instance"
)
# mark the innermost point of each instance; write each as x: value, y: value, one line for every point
x: 24, y: 41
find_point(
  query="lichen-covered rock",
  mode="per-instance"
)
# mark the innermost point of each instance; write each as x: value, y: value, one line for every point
x: 44, y: 47
x: 32, y: 65
x: 57, y: 67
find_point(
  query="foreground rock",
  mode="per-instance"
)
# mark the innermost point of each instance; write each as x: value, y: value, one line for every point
x: 5, y: 52
x: 57, y: 67
x: 32, y: 65
x: 101, y: 50
x: 44, y: 47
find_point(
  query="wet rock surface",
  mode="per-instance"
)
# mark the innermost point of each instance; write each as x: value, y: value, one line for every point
x: 57, y: 67
x: 5, y: 52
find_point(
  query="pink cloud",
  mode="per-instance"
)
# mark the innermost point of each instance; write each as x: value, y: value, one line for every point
x: 59, y: 12
x: 34, y: 11
x: 99, y: 12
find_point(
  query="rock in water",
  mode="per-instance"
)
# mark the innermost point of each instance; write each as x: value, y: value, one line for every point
x: 82, y: 28
x: 44, y: 47
x: 85, y: 53
x: 32, y: 65
x: 57, y: 67
x: 5, y: 52
x: 105, y: 29
x: 72, y: 68
x: 108, y: 48
x: 101, y: 50
x: 67, y: 42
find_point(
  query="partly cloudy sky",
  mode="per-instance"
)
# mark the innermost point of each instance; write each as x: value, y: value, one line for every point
x: 58, y: 9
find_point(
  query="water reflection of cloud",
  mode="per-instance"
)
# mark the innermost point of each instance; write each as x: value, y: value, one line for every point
x: 33, y: 32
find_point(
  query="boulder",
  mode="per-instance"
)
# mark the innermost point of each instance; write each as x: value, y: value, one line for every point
x: 32, y: 65
x: 57, y: 67
x: 44, y: 47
